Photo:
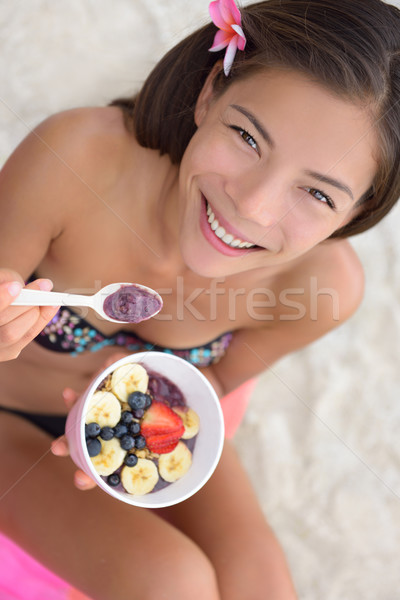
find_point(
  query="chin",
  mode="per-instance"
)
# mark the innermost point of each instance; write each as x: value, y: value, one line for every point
x: 208, y: 266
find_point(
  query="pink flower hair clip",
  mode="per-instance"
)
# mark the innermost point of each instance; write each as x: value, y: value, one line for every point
x: 226, y: 16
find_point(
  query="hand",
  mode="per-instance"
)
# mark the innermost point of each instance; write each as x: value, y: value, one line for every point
x: 59, y: 447
x: 20, y: 324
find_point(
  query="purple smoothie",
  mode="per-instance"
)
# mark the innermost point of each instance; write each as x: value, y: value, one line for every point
x: 131, y: 304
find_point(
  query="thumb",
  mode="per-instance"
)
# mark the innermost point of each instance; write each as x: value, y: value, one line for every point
x: 11, y: 284
x: 9, y: 275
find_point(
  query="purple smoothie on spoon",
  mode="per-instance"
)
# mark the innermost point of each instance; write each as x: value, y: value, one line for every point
x: 132, y: 304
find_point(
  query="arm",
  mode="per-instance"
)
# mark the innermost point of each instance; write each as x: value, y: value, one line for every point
x: 38, y: 187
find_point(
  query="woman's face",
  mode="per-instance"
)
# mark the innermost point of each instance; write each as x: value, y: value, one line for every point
x: 278, y: 163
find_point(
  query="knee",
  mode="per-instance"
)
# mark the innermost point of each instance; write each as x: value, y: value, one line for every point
x: 181, y: 574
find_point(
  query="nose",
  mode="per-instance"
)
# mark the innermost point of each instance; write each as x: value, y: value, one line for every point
x: 258, y: 196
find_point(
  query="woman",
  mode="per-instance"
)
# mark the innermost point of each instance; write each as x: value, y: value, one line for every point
x: 292, y: 151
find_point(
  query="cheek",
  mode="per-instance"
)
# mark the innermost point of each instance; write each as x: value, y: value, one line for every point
x: 208, y: 151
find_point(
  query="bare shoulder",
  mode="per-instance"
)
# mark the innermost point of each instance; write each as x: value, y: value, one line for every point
x: 72, y: 142
x: 43, y: 180
x: 333, y: 270
x: 85, y: 136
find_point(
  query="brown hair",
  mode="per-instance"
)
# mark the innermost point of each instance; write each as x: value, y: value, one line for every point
x: 350, y: 46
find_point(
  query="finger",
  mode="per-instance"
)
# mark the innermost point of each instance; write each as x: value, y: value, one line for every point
x: 70, y: 397
x: 59, y: 447
x: 8, y: 292
x: 83, y: 481
x: 21, y: 329
x: 11, y: 284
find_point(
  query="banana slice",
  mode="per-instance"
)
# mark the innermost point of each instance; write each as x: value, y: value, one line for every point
x: 110, y: 458
x: 190, y: 419
x: 140, y: 479
x: 127, y: 379
x: 175, y: 464
x: 104, y: 409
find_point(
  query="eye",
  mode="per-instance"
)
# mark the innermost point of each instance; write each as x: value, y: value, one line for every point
x: 246, y: 137
x: 318, y: 195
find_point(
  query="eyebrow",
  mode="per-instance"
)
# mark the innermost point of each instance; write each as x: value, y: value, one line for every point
x: 264, y: 133
x: 330, y: 181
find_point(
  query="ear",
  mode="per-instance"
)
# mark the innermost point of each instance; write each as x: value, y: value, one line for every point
x: 206, y: 95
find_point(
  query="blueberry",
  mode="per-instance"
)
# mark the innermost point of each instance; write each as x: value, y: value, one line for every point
x: 92, y: 430
x: 113, y: 479
x: 93, y: 446
x: 126, y: 417
x: 134, y: 428
x: 130, y: 460
x: 137, y: 400
x: 138, y: 413
x: 127, y: 442
x: 149, y: 401
x: 120, y: 429
x: 107, y: 433
x: 140, y: 442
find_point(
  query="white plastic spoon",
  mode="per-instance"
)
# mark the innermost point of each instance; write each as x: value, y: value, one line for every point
x: 131, y: 302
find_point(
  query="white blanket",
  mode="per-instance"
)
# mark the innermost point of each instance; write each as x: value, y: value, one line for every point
x: 321, y: 438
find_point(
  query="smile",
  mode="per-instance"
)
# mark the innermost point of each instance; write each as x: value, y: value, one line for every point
x: 228, y: 238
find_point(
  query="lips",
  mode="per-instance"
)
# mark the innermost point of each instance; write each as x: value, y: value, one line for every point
x: 220, y: 235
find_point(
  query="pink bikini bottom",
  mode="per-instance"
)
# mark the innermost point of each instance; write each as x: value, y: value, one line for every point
x: 23, y: 578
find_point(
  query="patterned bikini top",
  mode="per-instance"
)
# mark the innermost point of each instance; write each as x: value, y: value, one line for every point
x: 69, y: 332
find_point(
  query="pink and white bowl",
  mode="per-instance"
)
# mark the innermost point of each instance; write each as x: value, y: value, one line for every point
x: 199, y: 395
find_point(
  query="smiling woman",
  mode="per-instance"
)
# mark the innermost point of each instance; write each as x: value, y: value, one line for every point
x: 259, y: 188
x: 228, y: 184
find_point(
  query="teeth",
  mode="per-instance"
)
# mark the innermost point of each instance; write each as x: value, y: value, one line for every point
x: 220, y: 232
x: 228, y: 238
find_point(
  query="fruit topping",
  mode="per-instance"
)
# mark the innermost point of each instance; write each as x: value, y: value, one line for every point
x: 190, y: 419
x: 140, y: 479
x: 107, y: 433
x: 127, y: 379
x: 110, y: 458
x: 134, y: 428
x: 161, y: 419
x: 162, y: 443
x: 93, y: 446
x: 137, y: 423
x: 127, y: 442
x: 174, y: 465
x: 120, y: 429
x: 130, y: 460
x: 104, y: 409
x: 126, y: 417
x: 92, y: 430
x: 113, y: 479
x: 140, y: 442
x: 138, y: 400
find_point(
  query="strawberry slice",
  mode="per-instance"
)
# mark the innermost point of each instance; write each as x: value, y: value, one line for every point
x: 160, y: 419
x: 162, y: 443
